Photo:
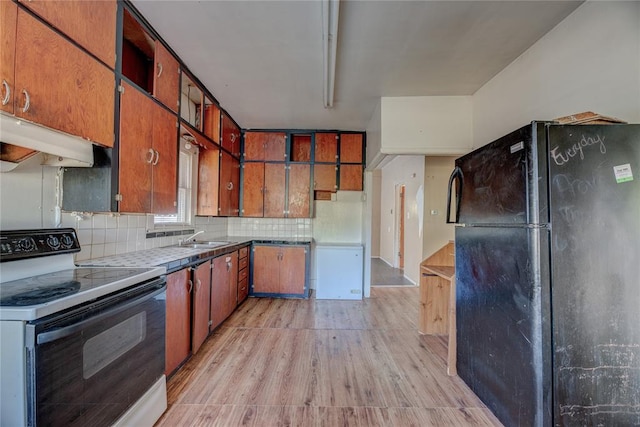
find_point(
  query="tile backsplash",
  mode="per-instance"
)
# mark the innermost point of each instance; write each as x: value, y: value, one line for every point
x: 105, y: 234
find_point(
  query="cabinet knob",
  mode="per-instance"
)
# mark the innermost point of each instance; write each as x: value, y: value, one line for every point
x: 7, y: 92
x: 27, y: 101
x: 157, y: 157
x: 150, y: 159
x: 159, y: 69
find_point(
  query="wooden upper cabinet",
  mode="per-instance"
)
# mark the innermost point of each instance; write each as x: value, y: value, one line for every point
x: 148, y: 155
x: 166, y: 77
x: 326, y: 149
x: 299, y: 196
x: 91, y: 24
x: 265, y: 146
x: 324, y: 177
x: 229, y: 185
x: 253, y: 189
x: 211, y: 121
x: 8, y: 23
x: 300, y: 148
x: 178, y: 323
x: 351, y: 177
x: 60, y: 86
x: 208, y: 180
x: 275, y: 179
x: 351, y: 147
x: 230, y: 136
x: 201, y: 304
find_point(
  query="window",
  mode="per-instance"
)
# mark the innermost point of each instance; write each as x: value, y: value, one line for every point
x: 186, y: 167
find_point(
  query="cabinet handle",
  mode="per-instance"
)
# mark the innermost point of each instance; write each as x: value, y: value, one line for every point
x: 157, y: 157
x: 198, y: 284
x: 233, y: 137
x: 27, y: 101
x: 229, y: 186
x: 229, y: 266
x: 150, y: 159
x: 7, y: 92
x: 159, y: 69
x: 190, y: 286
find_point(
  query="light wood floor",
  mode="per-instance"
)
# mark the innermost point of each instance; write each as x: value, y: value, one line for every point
x: 278, y: 362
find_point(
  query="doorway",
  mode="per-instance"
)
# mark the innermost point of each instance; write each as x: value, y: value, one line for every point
x: 400, y: 209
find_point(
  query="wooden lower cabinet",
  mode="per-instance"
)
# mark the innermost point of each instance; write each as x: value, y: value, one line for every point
x: 201, y: 297
x: 224, y: 279
x: 280, y: 270
x: 243, y: 274
x: 178, y: 320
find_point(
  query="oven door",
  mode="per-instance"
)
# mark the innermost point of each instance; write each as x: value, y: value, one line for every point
x: 87, y: 366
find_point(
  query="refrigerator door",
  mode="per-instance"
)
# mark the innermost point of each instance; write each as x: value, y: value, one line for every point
x: 502, y: 318
x: 595, y: 266
x: 498, y: 183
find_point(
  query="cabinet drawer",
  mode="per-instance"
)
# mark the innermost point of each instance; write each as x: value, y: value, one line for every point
x: 242, y: 263
x: 243, y: 290
x: 242, y: 274
x: 243, y: 252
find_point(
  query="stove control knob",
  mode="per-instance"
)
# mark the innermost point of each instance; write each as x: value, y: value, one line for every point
x: 67, y: 241
x: 53, y: 242
x: 27, y: 245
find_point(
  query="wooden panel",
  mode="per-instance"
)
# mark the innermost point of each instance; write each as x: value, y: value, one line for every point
x: 254, y: 145
x: 178, y: 323
x: 201, y: 301
x: 324, y: 177
x: 292, y: 270
x: 275, y: 147
x: 326, y: 147
x: 166, y: 77
x: 299, y: 191
x: 243, y: 290
x: 301, y: 148
x: 243, y: 261
x: 242, y: 272
x: 229, y: 183
x: 252, y: 189
x: 243, y: 252
x: 136, y: 123
x: 274, y: 194
x: 230, y: 136
x: 219, y: 291
x: 15, y: 153
x: 266, y: 269
x: 445, y: 257
x: 208, y: 180
x: 351, y: 148
x: 8, y: 24
x: 232, y: 282
x: 165, y: 166
x: 351, y: 177
x: 434, y: 304
x: 68, y: 90
x: 211, y: 119
x: 91, y: 24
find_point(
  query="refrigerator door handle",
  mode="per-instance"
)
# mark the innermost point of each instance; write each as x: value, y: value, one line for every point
x: 455, y: 175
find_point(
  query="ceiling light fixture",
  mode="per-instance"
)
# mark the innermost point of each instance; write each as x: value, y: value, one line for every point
x: 330, y: 14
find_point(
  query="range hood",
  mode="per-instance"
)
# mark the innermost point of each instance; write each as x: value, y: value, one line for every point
x: 59, y: 148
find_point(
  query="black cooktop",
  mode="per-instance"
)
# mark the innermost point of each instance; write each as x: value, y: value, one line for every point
x: 48, y: 287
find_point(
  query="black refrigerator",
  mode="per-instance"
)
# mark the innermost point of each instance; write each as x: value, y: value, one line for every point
x: 548, y: 274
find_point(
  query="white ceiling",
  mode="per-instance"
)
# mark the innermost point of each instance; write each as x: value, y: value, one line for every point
x: 263, y: 62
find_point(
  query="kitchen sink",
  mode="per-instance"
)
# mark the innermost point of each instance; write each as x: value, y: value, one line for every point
x: 203, y: 244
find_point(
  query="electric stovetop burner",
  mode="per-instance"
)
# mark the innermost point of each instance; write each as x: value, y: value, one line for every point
x: 40, y: 295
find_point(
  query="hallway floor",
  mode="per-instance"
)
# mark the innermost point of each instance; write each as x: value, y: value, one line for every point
x: 382, y: 274
x: 291, y: 362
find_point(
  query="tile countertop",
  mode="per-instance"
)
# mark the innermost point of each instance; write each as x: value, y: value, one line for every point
x: 175, y: 257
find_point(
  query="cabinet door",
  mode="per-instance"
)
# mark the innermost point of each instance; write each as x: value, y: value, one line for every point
x: 219, y: 291
x: 253, y: 189
x: 91, y: 24
x: 229, y: 183
x: 166, y: 77
x: 231, y: 261
x: 135, y: 154
x: 351, y: 148
x: 208, y: 180
x: 298, y: 205
x: 201, y: 300
x: 292, y: 269
x: 211, y: 120
x: 275, y: 147
x: 60, y: 86
x: 275, y: 175
x: 351, y: 177
x: 165, y: 163
x: 324, y: 177
x: 326, y: 150
x: 230, y: 136
x: 266, y: 269
x: 254, y: 145
x: 178, y: 323
x: 8, y: 22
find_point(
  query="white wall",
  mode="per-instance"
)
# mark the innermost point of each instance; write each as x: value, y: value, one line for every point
x: 407, y: 170
x: 373, y: 154
x: 374, y: 196
x: 588, y: 62
x: 429, y: 125
x: 437, y: 232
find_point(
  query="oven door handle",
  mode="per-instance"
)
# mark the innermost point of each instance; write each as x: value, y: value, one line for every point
x: 56, y: 334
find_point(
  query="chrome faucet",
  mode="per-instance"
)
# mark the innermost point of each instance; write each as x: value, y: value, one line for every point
x: 190, y: 238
